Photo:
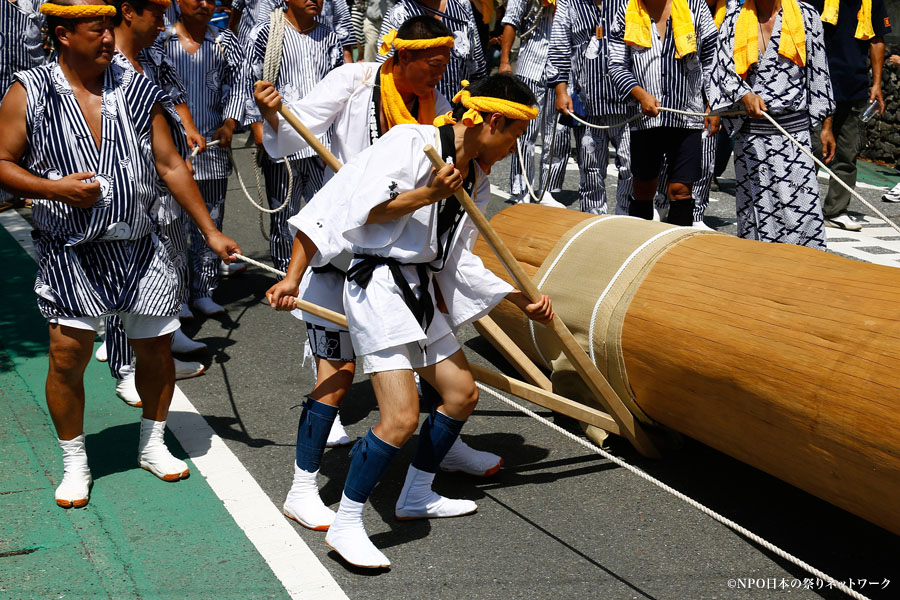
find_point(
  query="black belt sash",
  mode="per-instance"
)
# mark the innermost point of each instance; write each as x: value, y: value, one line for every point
x: 793, y: 122
x: 450, y: 214
x: 422, y: 307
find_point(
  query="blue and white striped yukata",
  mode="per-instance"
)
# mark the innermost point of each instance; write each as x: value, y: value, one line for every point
x: 105, y: 259
x: 160, y: 71
x: 306, y: 59
x: 20, y: 43
x: 579, y: 54
x: 466, y: 57
x: 533, y: 27
x: 210, y: 75
x: 777, y: 193
x: 335, y: 15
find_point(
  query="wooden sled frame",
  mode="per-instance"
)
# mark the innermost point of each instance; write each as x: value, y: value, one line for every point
x: 618, y: 419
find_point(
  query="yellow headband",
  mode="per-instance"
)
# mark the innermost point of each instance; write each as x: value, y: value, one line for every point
x: 391, y: 40
x: 78, y: 11
x: 488, y: 104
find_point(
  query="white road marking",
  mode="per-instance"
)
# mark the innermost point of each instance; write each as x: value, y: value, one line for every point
x: 291, y: 560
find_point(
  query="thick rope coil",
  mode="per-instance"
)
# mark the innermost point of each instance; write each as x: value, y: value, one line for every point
x: 705, y: 510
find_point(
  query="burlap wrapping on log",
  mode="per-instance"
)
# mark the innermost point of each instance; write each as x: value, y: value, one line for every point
x: 591, y: 275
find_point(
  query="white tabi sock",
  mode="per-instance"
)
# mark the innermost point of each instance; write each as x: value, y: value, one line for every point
x: 418, y: 501
x: 303, y: 503
x: 347, y: 536
x: 466, y: 459
x: 155, y: 457
x: 337, y: 436
x: 75, y: 488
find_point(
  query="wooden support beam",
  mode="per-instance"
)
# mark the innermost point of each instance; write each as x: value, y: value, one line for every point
x: 511, y: 352
x: 554, y: 402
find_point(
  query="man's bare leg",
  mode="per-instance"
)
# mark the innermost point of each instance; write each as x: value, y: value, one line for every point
x: 155, y: 382
x: 398, y: 404
x: 459, y: 396
x: 320, y: 414
x: 70, y: 352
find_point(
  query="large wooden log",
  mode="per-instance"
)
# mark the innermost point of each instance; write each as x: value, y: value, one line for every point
x: 783, y: 357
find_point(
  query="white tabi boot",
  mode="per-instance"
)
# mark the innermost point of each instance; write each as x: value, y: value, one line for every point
x: 303, y: 503
x: 182, y: 344
x: 153, y: 455
x: 337, y: 436
x: 127, y: 391
x: 75, y: 488
x: 347, y: 536
x: 465, y: 459
x: 101, y: 354
x: 418, y: 501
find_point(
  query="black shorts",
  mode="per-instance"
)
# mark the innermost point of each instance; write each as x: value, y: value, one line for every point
x: 680, y: 147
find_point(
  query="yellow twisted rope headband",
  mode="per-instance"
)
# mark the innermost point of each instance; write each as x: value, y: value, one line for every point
x: 488, y: 104
x: 78, y: 11
x: 391, y: 40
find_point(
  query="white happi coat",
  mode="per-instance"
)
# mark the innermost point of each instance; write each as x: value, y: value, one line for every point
x: 342, y: 100
x: 335, y: 220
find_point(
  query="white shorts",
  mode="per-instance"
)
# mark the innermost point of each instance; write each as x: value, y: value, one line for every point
x: 137, y: 327
x: 410, y: 356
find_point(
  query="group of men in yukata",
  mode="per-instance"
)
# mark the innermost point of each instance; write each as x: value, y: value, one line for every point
x: 101, y: 133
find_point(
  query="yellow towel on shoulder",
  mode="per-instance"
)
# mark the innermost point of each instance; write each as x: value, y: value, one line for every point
x: 864, y: 30
x: 746, y: 36
x: 721, y: 11
x: 638, y: 30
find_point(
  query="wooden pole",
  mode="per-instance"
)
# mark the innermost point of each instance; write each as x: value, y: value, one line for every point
x: 511, y: 352
x: 629, y: 427
x: 323, y: 152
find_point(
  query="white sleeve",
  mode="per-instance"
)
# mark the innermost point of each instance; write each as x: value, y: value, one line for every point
x: 317, y: 110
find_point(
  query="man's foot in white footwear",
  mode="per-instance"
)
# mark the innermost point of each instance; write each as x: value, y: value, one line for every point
x: 843, y: 221
x: 418, y: 501
x: 187, y: 369
x: 349, y: 539
x: 548, y: 200
x: 74, y: 490
x: 337, y: 436
x: 207, y: 307
x: 702, y: 226
x: 185, y: 312
x: 153, y: 455
x: 892, y: 195
x: 127, y: 391
x: 101, y: 353
x: 303, y: 503
x: 464, y: 459
x: 232, y: 269
x: 182, y: 344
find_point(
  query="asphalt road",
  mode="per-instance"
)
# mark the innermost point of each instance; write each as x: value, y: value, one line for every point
x: 557, y: 521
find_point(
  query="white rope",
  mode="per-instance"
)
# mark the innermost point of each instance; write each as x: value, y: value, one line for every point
x: 705, y: 510
x: 781, y: 129
x: 528, y: 186
x: 263, y: 266
x: 831, y: 173
x: 643, y: 475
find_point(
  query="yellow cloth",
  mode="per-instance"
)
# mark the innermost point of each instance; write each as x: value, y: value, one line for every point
x: 390, y: 40
x: 78, y: 11
x: 639, y: 32
x: 721, y: 11
x: 864, y: 29
x: 549, y: 3
x: 487, y: 15
x: 395, y: 111
x: 746, y: 36
x: 480, y: 104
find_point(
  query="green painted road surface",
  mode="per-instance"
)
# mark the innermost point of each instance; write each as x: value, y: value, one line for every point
x: 139, y: 537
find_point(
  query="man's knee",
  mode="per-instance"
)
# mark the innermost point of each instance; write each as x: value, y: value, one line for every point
x: 463, y: 402
x: 69, y: 354
x: 401, y: 426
